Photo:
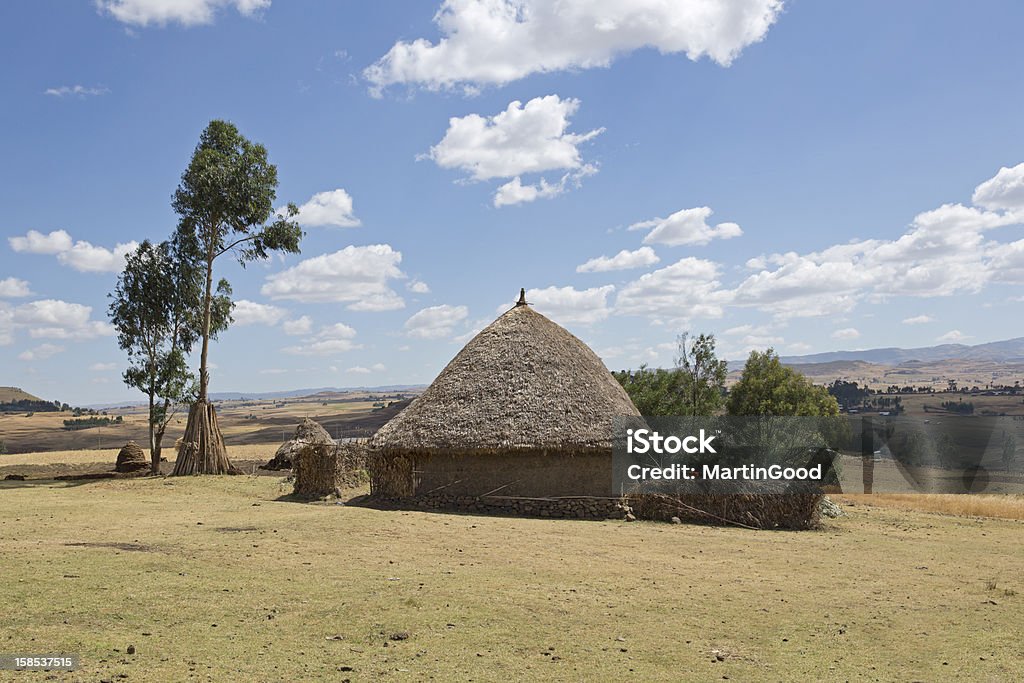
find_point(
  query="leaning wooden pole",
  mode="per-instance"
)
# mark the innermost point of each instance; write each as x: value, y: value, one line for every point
x: 202, y: 447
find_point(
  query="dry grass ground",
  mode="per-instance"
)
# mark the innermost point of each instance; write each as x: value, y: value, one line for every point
x: 50, y: 464
x: 220, y: 578
x: 997, y: 506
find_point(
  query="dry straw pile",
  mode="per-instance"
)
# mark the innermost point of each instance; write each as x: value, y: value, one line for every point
x: 308, y: 433
x: 131, y: 458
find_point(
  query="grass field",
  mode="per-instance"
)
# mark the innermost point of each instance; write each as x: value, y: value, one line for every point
x: 242, y: 423
x: 225, y: 578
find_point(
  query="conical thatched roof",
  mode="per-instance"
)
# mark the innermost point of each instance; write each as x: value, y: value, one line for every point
x: 521, y: 383
x: 309, y: 432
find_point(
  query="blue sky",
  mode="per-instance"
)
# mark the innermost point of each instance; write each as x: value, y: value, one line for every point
x: 810, y: 176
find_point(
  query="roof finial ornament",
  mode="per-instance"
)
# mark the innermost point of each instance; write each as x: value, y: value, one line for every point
x: 522, y: 297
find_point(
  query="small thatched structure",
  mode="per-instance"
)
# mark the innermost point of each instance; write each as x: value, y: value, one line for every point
x: 308, y: 433
x: 520, y: 420
x: 325, y: 469
x: 131, y: 458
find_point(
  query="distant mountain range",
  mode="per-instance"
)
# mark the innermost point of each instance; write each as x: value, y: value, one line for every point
x: 296, y: 393
x: 1008, y: 350
x: 270, y: 395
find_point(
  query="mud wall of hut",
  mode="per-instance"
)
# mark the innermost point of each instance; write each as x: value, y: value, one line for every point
x: 535, y: 474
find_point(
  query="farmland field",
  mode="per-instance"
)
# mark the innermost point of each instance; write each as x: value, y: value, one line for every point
x: 242, y: 422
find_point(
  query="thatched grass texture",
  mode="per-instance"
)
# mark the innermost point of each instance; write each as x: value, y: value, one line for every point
x: 326, y: 469
x: 131, y: 458
x: 522, y: 383
x: 309, y: 432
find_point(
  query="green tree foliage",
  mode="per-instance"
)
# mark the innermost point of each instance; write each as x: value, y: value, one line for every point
x: 154, y: 309
x: 225, y: 203
x: 693, y: 387
x: 947, y: 452
x: 848, y: 394
x: 767, y: 387
x: 654, y: 392
x: 1009, y: 451
x: 959, y: 407
x: 704, y: 375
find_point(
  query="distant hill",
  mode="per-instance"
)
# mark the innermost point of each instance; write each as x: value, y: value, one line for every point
x: 302, y: 393
x: 1000, y: 351
x: 9, y: 394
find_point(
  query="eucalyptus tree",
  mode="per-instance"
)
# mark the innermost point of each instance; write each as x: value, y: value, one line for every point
x: 153, y: 309
x: 225, y: 204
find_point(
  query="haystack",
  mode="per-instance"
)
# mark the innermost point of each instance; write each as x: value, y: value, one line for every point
x: 326, y: 469
x: 131, y: 458
x: 520, y: 419
x: 308, y: 433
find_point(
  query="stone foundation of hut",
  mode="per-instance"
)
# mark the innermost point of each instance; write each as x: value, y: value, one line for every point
x: 571, y: 507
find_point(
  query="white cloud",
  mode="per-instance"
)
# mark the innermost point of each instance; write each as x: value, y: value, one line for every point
x: 87, y: 258
x: 336, y: 338
x: 6, y: 324
x: 298, y: 326
x: 435, y: 322
x: 76, y: 90
x: 567, y: 305
x: 418, y: 287
x: 520, y: 140
x: 13, y: 288
x: 248, y: 312
x: 953, y: 336
x: 1003, y: 191
x: 918, y: 320
x: 332, y: 208
x: 846, y: 333
x: 624, y: 260
x: 689, y: 288
x: 498, y: 41
x: 184, y: 12
x: 80, y: 255
x: 799, y: 347
x: 355, y: 275
x: 55, y: 319
x: 41, y: 352
x: 514, y: 192
x: 360, y: 370
x: 336, y: 331
x: 35, y: 242
x: 687, y: 226
x: 103, y: 367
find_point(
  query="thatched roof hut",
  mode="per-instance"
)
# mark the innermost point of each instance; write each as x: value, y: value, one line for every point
x: 524, y: 411
x: 131, y: 458
x: 309, y: 432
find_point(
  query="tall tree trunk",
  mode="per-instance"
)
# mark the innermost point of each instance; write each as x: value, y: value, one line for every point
x: 202, y: 448
x: 154, y: 445
x: 204, y: 375
x: 157, y: 449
